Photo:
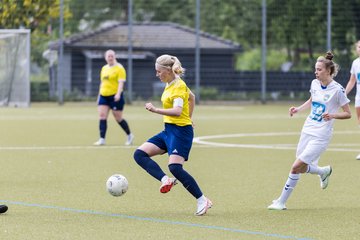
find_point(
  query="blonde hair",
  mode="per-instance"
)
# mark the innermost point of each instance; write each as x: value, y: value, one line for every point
x: 329, y: 63
x: 171, y: 62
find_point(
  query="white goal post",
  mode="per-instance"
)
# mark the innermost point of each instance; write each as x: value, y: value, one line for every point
x: 15, y: 67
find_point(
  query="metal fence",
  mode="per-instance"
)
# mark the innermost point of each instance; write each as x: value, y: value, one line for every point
x: 232, y: 49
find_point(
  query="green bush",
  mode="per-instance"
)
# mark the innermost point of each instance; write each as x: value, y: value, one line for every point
x: 39, y: 91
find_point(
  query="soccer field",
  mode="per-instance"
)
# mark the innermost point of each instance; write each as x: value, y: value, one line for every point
x: 53, y: 178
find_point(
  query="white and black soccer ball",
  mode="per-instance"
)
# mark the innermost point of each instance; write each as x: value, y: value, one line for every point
x: 117, y: 185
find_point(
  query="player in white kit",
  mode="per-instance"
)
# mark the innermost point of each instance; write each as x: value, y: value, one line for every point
x: 355, y: 79
x: 327, y: 96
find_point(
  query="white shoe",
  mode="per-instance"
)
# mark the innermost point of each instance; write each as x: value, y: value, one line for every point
x: 358, y: 157
x: 203, y: 206
x: 130, y: 139
x: 277, y: 205
x: 324, y: 178
x: 100, y: 142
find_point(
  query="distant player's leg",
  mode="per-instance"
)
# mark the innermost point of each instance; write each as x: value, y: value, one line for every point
x: 117, y: 111
x: 293, y: 178
x: 279, y: 204
x: 323, y: 172
x: 3, y: 208
x: 311, y: 156
x: 358, y: 118
x: 308, y: 153
x: 103, y: 111
x: 129, y: 136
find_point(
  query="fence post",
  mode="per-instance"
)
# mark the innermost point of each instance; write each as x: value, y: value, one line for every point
x: 61, y: 54
x: 263, y: 53
x: 197, y: 53
x: 130, y: 60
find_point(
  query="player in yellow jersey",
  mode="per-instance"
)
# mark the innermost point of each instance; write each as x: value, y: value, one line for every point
x: 176, y: 139
x: 111, y: 96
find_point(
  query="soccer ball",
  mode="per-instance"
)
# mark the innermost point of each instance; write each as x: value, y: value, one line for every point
x: 117, y: 185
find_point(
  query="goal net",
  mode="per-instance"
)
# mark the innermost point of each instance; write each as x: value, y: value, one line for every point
x: 15, y: 67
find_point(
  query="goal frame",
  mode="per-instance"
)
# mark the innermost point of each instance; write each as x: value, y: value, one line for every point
x: 22, y: 94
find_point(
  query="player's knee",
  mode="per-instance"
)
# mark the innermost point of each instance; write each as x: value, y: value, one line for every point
x: 139, y: 156
x: 298, y: 169
x: 175, y: 169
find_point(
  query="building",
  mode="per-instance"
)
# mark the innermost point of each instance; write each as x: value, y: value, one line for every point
x: 84, y: 56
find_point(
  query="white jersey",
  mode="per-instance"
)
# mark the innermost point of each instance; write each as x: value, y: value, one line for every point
x: 355, y: 70
x: 324, y: 100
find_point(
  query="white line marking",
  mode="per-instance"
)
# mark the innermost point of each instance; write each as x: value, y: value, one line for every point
x: 201, y: 140
x: 62, y: 147
x: 205, y: 144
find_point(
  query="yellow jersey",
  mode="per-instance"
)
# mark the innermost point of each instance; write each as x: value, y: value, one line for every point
x: 110, y: 77
x: 172, y: 91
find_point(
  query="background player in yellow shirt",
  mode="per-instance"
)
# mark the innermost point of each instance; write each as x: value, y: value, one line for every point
x: 176, y: 139
x: 111, y: 96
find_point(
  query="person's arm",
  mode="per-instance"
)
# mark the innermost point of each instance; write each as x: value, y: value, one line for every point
x: 305, y: 105
x: 350, y: 85
x: 119, y: 90
x: 345, y: 114
x: 175, y: 111
x: 191, y: 103
x: 98, y: 96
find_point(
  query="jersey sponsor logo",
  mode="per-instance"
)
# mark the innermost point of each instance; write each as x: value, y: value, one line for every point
x: 317, y: 111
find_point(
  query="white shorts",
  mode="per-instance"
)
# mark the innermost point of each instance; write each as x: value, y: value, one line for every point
x: 310, y: 148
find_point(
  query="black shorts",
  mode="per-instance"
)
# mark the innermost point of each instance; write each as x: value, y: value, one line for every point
x: 109, y: 101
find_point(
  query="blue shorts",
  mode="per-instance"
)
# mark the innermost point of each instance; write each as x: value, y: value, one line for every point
x: 109, y: 101
x: 175, y: 140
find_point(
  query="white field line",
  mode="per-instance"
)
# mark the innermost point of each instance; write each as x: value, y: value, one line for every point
x: 62, y: 148
x: 14, y: 148
x: 201, y: 140
x: 41, y: 117
x: 201, y: 143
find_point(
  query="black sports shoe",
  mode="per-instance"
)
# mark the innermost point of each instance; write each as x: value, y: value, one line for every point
x: 3, y: 208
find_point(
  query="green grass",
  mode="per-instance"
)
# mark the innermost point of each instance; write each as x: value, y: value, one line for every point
x: 53, y: 179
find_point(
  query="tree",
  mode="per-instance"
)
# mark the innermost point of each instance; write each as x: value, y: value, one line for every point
x: 88, y: 15
x: 34, y: 15
x: 297, y: 28
x: 297, y: 25
x: 30, y: 14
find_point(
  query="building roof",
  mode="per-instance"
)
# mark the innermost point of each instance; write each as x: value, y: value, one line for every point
x: 148, y: 35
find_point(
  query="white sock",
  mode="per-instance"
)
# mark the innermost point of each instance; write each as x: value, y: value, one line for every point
x: 289, y: 186
x: 201, y: 199
x: 164, y: 179
x: 315, y: 170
